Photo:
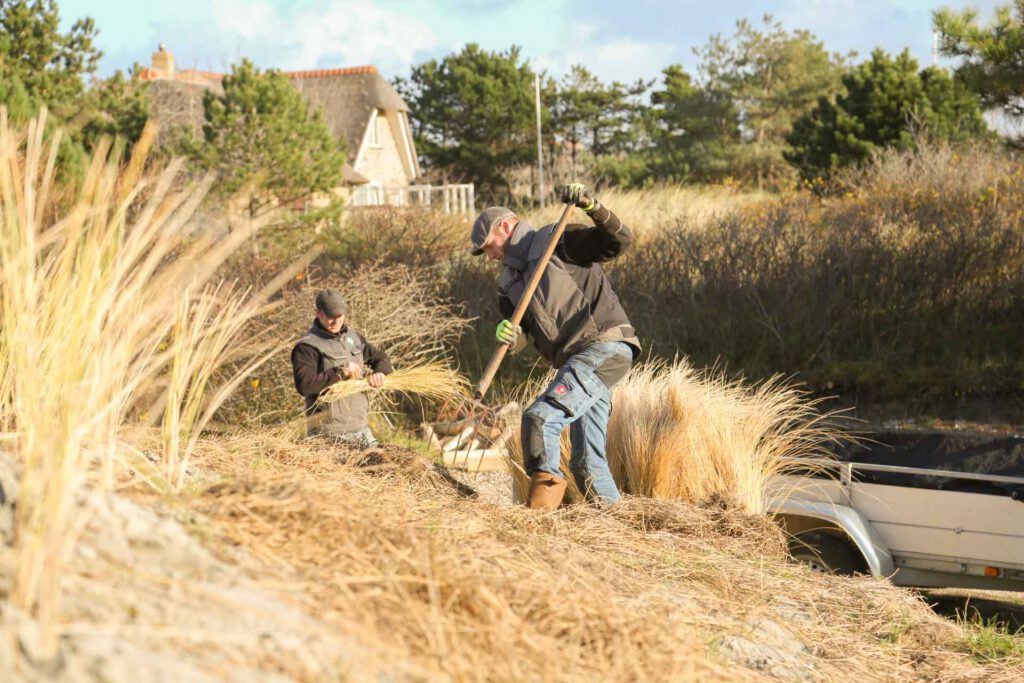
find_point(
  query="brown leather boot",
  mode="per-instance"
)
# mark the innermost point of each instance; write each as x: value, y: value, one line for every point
x: 546, y: 491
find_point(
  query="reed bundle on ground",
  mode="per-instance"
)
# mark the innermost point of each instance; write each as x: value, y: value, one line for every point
x: 676, y: 433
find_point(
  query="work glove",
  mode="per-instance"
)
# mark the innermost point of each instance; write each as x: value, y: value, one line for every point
x: 578, y: 194
x: 507, y: 333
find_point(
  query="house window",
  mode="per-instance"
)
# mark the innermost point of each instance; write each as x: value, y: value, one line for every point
x: 375, y: 133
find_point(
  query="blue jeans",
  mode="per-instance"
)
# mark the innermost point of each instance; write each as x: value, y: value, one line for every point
x: 579, y: 399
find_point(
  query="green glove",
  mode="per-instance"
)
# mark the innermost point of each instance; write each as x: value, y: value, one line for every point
x: 507, y: 333
x: 578, y: 194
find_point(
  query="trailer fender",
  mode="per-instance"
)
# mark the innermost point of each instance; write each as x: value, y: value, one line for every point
x: 847, y: 520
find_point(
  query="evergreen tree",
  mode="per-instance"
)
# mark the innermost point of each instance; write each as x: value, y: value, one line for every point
x: 605, y: 119
x: 50, y: 66
x: 474, y: 115
x: 115, y: 107
x: 772, y: 76
x: 42, y: 66
x: 992, y: 56
x: 693, y: 130
x: 261, y: 134
x: 885, y: 103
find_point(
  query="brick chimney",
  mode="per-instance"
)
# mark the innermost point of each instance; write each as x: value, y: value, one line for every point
x: 163, y: 63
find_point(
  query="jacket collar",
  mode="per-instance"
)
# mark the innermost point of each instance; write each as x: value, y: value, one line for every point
x: 319, y: 330
x: 517, y: 255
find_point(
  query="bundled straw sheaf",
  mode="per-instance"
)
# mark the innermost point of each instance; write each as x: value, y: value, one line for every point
x: 108, y: 309
x: 430, y: 381
x: 676, y: 433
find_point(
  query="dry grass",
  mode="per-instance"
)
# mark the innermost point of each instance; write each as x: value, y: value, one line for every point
x: 454, y: 589
x: 99, y: 296
x: 647, y: 210
x: 676, y: 433
x: 431, y: 381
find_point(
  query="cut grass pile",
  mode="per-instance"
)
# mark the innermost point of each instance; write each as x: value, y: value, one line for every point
x: 678, y: 433
x: 456, y: 589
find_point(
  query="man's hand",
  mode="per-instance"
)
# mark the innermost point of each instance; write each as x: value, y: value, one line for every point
x: 507, y: 333
x: 351, y: 370
x: 376, y: 380
x: 578, y: 194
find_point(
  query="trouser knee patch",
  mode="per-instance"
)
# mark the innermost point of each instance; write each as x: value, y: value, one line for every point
x: 532, y: 435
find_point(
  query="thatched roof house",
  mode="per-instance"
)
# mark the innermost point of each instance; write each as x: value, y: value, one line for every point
x: 358, y: 104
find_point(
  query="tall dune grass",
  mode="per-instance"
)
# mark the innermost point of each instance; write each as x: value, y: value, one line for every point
x: 99, y: 294
x: 676, y: 433
x: 648, y: 210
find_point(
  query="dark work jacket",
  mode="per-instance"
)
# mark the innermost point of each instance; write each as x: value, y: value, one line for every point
x: 574, y: 304
x: 317, y: 359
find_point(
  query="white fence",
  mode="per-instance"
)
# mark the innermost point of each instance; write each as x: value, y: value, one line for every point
x: 459, y: 199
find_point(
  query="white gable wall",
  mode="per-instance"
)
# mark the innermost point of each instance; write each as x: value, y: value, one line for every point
x: 383, y: 164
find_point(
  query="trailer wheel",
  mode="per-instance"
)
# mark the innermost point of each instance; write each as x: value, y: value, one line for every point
x: 825, y: 553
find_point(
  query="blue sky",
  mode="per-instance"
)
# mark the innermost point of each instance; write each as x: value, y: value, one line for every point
x: 620, y: 40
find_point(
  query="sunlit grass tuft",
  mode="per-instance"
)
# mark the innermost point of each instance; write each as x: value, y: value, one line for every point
x: 676, y: 433
x: 107, y: 299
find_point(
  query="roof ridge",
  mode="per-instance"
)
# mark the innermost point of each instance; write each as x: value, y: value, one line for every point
x: 199, y: 72
x: 148, y: 73
x: 343, y: 71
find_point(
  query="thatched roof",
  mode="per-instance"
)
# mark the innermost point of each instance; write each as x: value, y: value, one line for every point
x: 347, y: 98
x: 178, y: 104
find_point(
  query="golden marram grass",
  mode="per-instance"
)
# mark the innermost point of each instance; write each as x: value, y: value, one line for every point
x: 679, y: 433
x: 109, y: 310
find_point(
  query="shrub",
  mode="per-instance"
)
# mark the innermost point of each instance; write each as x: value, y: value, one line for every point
x: 908, y: 286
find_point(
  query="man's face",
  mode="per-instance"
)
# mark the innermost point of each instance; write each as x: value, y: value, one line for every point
x: 497, y: 241
x: 332, y: 325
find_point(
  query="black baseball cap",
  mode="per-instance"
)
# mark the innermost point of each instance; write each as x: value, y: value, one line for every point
x: 331, y: 303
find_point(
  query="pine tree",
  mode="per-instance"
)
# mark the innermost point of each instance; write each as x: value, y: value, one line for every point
x: 992, y: 56
x: 474, y: 115
x: 886, y: 102
x: 261, y: 134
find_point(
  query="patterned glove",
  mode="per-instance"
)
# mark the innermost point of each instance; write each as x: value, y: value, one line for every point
x: 578, y: 194
x: 507, y: 333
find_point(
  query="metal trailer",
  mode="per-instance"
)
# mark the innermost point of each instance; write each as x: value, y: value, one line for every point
x: 921, y: 537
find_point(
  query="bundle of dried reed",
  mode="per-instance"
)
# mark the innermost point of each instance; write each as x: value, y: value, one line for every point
x: 430, y: 381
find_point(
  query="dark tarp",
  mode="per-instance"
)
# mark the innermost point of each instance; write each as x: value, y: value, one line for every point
x: 938, y: 450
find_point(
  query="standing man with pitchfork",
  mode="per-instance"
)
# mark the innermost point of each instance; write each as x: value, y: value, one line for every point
x: 576, y: 322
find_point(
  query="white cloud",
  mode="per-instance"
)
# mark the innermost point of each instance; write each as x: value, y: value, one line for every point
x: 247, y: 19
x: 324, y: 34
x: 620, y: 60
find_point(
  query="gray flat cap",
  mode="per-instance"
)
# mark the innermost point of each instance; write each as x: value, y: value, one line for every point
x: 487, y: 219
x: 331, y: 303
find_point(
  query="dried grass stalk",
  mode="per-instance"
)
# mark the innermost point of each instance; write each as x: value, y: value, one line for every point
x: 430, y: 381
x: 97, y: 297
x: 676, y: 433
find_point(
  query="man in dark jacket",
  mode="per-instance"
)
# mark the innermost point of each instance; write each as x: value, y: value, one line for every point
x: 333, y: 352
x: 576, y: 322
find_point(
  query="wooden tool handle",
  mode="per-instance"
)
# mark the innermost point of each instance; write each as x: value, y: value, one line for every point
x: 517, y: 317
